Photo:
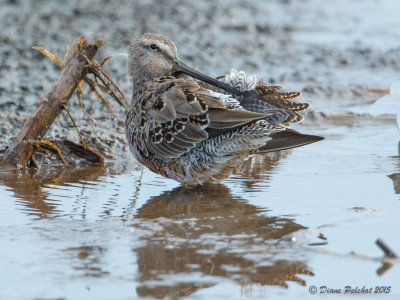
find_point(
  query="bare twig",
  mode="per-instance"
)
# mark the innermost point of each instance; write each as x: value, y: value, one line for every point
x: 54, y: 148
x: 114, y: 90
x: 108, y: 57
x: 79, y: 93
x: 76, y: 127
x: 49, y: 54
x: 98, y: 96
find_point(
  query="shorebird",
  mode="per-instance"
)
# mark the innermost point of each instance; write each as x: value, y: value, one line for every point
x: 194, y: 128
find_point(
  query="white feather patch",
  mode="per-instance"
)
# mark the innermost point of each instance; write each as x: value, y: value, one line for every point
x: 241, y: 81
x: 226, y: 99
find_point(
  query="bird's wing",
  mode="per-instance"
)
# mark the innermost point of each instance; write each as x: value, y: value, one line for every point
x: 176, y: 114
x: 267, y: 98
x: 259, y: 96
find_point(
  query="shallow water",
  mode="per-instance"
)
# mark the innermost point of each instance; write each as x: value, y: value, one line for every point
x: 286, y: 222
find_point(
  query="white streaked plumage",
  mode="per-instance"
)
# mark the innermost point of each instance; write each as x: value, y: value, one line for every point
x: 241, y: 81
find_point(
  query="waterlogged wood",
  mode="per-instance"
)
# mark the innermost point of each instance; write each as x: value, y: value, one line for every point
x: 74, y: 69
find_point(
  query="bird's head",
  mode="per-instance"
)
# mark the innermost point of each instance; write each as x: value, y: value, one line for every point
x: 153, y: 55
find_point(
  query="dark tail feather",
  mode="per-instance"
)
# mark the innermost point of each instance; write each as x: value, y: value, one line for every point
x: 288, y: 139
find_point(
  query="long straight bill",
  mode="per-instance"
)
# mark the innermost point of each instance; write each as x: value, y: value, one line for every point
x: 180, y: 66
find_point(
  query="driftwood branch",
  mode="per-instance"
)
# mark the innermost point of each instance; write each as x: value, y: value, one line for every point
x: 78, y: 62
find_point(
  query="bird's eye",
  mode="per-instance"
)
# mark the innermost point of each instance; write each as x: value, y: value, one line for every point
x: 153, y: 47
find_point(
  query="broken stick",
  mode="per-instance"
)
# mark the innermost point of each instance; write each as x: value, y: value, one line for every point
x: 78, y: 62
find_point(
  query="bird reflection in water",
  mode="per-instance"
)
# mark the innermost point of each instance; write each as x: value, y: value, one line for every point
x: 258, y: 169
x: 210, y: 231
